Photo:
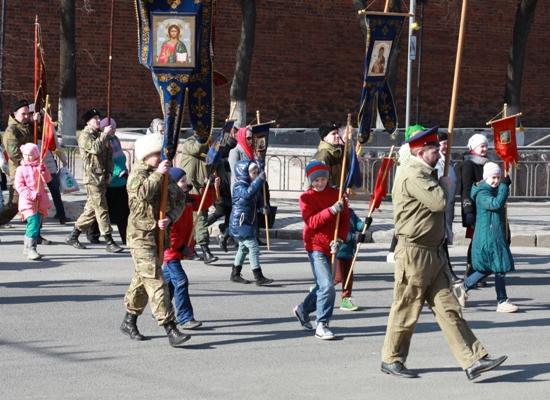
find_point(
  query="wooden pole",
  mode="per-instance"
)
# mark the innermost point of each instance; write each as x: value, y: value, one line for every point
x: 36, y: 74
x: 341, y: 189
x: 38, y: 184
x: 387, y: 6
x: 456, y: 81
x: 264, y: 192
x: 110, y: 70
x: 201, y: 204
x: 371, y: 210
x: 507, y: 226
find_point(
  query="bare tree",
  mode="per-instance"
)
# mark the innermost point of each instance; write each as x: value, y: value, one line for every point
x: 239, y: 86
x: 525, y: 15
x: 67, y: 72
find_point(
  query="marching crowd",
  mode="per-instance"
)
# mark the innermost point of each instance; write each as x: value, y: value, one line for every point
x: 423, y: 201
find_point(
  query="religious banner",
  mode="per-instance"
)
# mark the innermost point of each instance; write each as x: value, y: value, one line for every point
x: 504, y: 134
x: 353, y: 176
x: 260, y: 139
x: 174, y: 44
x: 382, y: 36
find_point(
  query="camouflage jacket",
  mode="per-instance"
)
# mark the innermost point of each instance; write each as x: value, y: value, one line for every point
x: 193, y: 162
x: 144, y: 186
x: 97, y: 156
x: 16, y: 135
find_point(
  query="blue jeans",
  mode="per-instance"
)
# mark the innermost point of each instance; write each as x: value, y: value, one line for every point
x: 53, y: 186
x: 250, y: 247
x: 500, y: 283
x: 321, y: 298
x: 178, y: 285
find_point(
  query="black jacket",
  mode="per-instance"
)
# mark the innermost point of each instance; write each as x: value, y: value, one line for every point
x: 471, y: 171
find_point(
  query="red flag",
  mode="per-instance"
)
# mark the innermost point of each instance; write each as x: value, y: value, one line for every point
x: 504, y: 134
x: 48, y: 136
x: 381, y: 187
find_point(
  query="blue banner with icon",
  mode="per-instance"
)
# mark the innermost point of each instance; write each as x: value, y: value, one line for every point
x: 382, y: 37
x: 174, y: 44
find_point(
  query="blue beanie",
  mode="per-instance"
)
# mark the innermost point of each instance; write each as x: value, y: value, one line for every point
x: 316, y: 169
x: 176, y: 174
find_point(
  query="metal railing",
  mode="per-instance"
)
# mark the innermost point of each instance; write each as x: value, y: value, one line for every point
x: 285, y: 169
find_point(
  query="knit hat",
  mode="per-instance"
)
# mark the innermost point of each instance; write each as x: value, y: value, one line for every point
x: 490, y: 169
x: 411, y: 130
x: 324, y: 130
x: 105, y: 122
x: 20, y: 103
x: 176, y: 174
x: 316, y: 169
x: 30, y: 148
x: 147, y: 145
x: 477, y: 140
x: 157, y: 126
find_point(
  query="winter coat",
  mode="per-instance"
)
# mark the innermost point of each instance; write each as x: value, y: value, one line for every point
x: 319, y: 222
x: 27, y: 176
x: 235, y: 155
x: 16, y: 135
x: 245, y: 200
x: 193, y: 162
x: 490, y: 249
x: 471, y: 171
x: 96, y: 155
x: 347, y: 250
x: 119, y: 175
x: 183, y: 227
x: 332, y: 156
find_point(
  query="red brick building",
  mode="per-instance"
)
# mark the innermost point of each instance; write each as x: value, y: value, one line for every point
x: 308, y: 60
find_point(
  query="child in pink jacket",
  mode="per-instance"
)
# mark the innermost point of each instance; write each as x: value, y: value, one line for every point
x: 31, y: 178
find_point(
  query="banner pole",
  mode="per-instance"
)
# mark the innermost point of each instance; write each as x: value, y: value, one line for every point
x: 110, y: 70
x: 264, y: 193
x: 456, y: 81
x: 36, y: 74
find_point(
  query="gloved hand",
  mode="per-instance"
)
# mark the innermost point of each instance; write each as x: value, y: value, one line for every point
x: 337, y: 207
x: 470, y: 220
x: 359, y: 237
x: 507, y: 180
x: 335, y: 246
x: 368, y: 221
x: 42, y: 167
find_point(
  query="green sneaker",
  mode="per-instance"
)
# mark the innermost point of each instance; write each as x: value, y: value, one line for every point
x: 347, y: 304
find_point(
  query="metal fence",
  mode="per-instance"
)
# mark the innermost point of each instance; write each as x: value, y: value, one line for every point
x: 285, y: 169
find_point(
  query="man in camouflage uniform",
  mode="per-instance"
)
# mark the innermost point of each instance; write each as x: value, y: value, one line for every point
x: 96, y: 155
x: 421, y: 267
x: 144, y: 190
x: 331, y: 151
x: 18, y: 132
x: 193, y: 161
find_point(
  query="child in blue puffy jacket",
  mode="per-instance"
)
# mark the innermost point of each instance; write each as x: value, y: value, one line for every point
x: 243, y: 224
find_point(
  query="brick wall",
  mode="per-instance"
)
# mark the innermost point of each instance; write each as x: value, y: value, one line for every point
x: 307, y: 66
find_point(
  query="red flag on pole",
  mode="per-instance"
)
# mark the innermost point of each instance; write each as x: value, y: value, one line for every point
x: 48, y: 136
x: 381, y: 187
x: 504, y: 134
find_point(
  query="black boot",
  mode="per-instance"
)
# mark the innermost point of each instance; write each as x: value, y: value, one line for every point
x: 129, y: 327
x: 222, y: 239
x: 43, y: 241
x: 111, y: 246
x: 208, y: 257
x: 261, y: 280
x: 72, y: 239
x: 175, y: 337
x: 92, y: 238
x: 236, y: 275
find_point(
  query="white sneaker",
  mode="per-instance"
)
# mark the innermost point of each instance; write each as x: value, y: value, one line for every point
x: 322, y: 332
x: 507, y: 307
x: 460, y: 293
x: 390, y: 258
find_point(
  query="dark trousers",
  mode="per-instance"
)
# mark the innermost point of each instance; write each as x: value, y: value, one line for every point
x: 117, y: 202
x: 222, y: 208
x: 341, y: 274
x: 53, y: 186
x: 10, y: 207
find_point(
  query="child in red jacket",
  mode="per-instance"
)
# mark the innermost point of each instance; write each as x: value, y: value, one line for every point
x: 180, y: 231
x: 320, y: 206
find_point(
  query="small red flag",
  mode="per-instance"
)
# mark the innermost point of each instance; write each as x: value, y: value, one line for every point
x: 504, y: 134
x: 48, y: 136
x: 381, y: 187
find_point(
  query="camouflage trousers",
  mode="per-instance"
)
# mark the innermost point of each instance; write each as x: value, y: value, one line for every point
x: 148, y: 284
x: 96, y: 209
x: 422, y: 275
x: 202, y: 237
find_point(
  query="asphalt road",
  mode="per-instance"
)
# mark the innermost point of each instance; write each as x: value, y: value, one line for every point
x: 60, y: 339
